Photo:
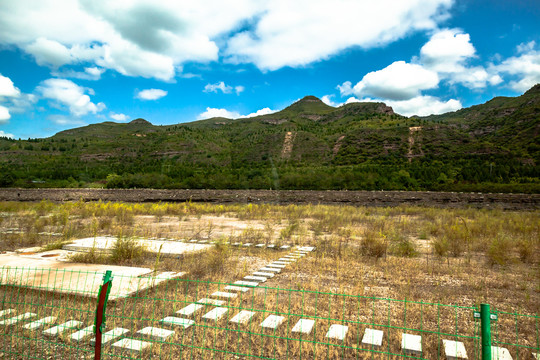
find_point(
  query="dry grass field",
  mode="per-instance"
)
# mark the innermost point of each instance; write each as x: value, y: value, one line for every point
x: 399, y: 269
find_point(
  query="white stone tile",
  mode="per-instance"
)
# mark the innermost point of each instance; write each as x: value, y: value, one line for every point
x: 110, y: 336
x: 207, y: 301
x: 454, y: 350
x: 40, y: 323
x: 306, y: 248
x: 248, y: 244
x: 304, y: 326
x: 193, y: 240
x: 500, y: 353
x: 132, y: 344
x: 277, y: 262
x: 246, y: 283
x: 16, y: 319
x: 411, y: 344
x: 224, y: 294
x: 255, y: 278
x: 59, y: 329
x: 272, y: 321
x: 337, y: 332
x: 215, y: 314
x: 83, y: 333
x: 237, y: 288
x: 285, y: 247
x: 242, y: 317
x: 6, y: 312
x: 536, y: 356
x: 271, y: 246
x: 156, y: 333
x: 276, y: 270
x: 265, y: 274
x: 260, y: 245
x: 190, y: 309
x: 274, y: 265
x: 171, y: 320
x: 286, y: 260
x: 372, y: 338
x: 236, y: 244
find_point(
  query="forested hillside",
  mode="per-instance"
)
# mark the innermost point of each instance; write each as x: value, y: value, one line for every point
x: 493, y: 147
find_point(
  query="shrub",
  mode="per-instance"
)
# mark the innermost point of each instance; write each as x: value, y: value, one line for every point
x: 373, y: 245
x: 499, y: 250
x: 440, y: 245
x: 127, y: 249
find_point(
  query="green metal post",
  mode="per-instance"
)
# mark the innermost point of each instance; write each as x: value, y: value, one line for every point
x: 485, y: 323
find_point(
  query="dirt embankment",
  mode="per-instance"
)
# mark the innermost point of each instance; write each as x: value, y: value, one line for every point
x: 358, y: 198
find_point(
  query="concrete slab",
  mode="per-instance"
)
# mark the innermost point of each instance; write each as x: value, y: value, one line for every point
x: 255, y: 278
x: 132, y: 344
x: 277, y: 262
x: 285, y: 247
x: 190, y: 309
x: 500, y: 353
x: 337, y: 332
x: 224, y: 294
x: 272, y: 321
x: 62, y: 328
x: 17, y: 319
x: 236, y: 244
x: 171, y: 320
x: 304, y: 326
x: 260, y: 245
x: 215, y: 314
x: 372, y: 338
x: 164, y: 247
x: 264, y: 274
x: 155, y: 333
x: 306, y: 248
x: 411, y: 344
x: 248, y: 244
x: 274, y: 265
x: 271, y: 246
x: 83, y: 333
x: 286, y: 260
x: 242, y: 317
x: 276, y: 270
x: 110, y: 336
x: 40, y: 323
x: 236, y: 288
x: 206, y: 301
x: 246, y: 283
x: 6, y: 312
x: 50, y: 274
x: 454, y: 350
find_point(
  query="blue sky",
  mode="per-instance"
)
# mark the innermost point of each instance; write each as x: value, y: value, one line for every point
x: 173, y: 62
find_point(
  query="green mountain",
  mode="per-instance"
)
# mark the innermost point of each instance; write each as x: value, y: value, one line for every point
x: 308, y: 145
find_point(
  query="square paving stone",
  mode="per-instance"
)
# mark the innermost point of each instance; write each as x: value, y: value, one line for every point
x: 215, y: 314
x: 16, y: 319
x: 62, y: 328
x: 274, y: 265
x: 411, y: 344
x: 500, y: 353
x: 40, y: 323
x: 272, y: 321
x: 372, y: 338
x: 276, y: 270
x: 83, y: 333
x: 190, y: 309
x: 260, y: 245
x: 337, y: 332
x: 132, y: 344
x: 255, y: 278
x: 265, y: 274
x: 454, y: 350
x: 224, y: 294
x: 242, y: 317
x: 156, y: 333
x: 284, y: 263
x: 304, y: 326
x: 110, y: 336
x: 236, y: 288
x: 171, y: 320
x: 207, y: 301
x: 246, y: 283
x: 286, y: 260
x: 6, y: 312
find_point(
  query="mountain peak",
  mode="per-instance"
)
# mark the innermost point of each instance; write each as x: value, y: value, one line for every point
x: 534, y: 90
x: 140, y: 121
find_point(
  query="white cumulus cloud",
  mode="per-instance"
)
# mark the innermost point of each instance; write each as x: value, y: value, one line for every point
x: 118, y: 117
x: 424, y: 105
x: 67, y: 93
x: 4, y: 114
x: 398, y: 81
x: 5, y: 134
x: 214, y: 112
x: 224, y: 88
x: 151, y: 94
x: 447, y: 51
x: 7, y: 88
x: 260, y: 112
x: 524, y: 68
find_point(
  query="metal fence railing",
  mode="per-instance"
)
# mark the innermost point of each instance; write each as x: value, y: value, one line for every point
x: 50, y: 313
